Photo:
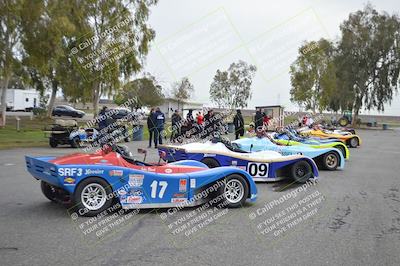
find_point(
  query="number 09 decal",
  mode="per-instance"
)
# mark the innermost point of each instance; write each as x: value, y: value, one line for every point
x: 257, y: 169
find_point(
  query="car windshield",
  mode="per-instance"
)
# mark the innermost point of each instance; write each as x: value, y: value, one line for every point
x: 229, y: 144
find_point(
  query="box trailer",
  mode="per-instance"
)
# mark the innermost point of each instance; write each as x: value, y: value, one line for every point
x: 22, y: 100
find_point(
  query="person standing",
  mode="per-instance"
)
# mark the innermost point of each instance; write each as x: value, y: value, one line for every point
x: 159, y: 123
x: 176, y: 120
x: 151, y: 126
x: 258, y: 120
x: 238, y: 122
x: 199, y: 118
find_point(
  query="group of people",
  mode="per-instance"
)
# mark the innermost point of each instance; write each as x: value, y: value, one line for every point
x: 200, y: 125
x: 261, y: 121
x: 155, y: 125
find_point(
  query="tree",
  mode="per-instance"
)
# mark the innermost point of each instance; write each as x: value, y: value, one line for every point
x: 44, y: 27
x: 369, y: 62
x: 182, y: 90
x: 114, y: 39
x: 10, y: 33
x: 232, y: 88
x: 313, y: 76
x: 141, y: 92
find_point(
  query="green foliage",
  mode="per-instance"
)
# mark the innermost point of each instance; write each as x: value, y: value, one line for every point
x: 361, y: 72
x: 369, y: 54
x: 182, y: 90
x: 313, y: 75
x: 142, y: 92
x: 232, y: 88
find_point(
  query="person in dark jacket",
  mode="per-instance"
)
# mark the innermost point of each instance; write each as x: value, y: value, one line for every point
x: 176, y: 121
x: 258, y: 120
x: 159, y: 119
x: 238, y: 122
x: 102, y: 118
x: 151, y: 126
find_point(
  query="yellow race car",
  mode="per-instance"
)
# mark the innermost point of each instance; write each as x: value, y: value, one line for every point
x: 353, y: 141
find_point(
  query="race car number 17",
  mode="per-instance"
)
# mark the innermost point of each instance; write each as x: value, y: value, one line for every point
x: 257, y: 169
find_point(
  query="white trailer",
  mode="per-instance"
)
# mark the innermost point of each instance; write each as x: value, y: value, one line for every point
x: 22, y: 100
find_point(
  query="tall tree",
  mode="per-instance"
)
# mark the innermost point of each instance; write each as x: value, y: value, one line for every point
x: 116, y: 40
x: 232, y: 88
x: 312, y: 73
x: 140, y: 92
x: 370, y: 58
x: 182, y: 90
x: 10, y: 33
x: 45, y: 25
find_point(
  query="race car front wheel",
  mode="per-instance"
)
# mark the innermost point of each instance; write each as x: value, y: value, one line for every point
x: 341, y: 149
x: 354, y: 142
x: 331, y: 160
x: 235, y: 191
x: 301, y: 171
x: 92, y: 196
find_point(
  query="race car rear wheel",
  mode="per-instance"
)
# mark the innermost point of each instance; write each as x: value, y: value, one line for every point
x: 210, y: 162
x: 235, y: 191
x: 48, y: 191
x: 331, y: 160
x: 353, y: 142
x: 53, y: 143
x: 92, y: 196
x: 301, y: 171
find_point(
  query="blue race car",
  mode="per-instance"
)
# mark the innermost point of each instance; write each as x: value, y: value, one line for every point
x: 262, y: 166
x: 92, y: 182
x: 325, y: 158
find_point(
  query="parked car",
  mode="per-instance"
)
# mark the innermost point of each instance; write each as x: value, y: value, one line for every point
x: 66, y: 110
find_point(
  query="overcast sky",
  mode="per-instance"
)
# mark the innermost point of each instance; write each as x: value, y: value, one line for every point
x: 195, y: 38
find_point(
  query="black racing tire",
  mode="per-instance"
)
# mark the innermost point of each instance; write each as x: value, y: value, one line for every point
x: 53, y: 143
x: 83, y: 206
x: 301, y: 171
x: 75, y: 142
x: 331, y: 160
x: 48, y: 191
x: 353, y: 142
x: 235, y: 184
x: 210, y: 162
x: 341, y: 149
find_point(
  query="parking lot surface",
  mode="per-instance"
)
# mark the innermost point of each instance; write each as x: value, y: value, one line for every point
x: 349, y: 217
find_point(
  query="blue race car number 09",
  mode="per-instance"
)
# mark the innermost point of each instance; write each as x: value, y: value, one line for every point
x: 257, y: 169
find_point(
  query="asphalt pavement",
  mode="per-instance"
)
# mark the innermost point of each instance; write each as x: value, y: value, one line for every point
x: 348, y: 217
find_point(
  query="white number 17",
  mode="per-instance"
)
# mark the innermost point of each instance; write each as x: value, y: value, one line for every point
x: 154, y: 185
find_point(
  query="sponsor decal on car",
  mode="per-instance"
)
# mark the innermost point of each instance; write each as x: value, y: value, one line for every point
x: 136, y: 192
x: 234, y: 163
x: 116, y: 173
x: 179, y: 195
x: 69, y: 181
x: 122, y: 192
x: 209, y: 155
x: 135, y: 180
x: 70, y: 171
x: 134, y: 199
x: 94, y: 172
x: 122, y: 198
x: 178, y: 200
x: 168, y: 170
x: 182, y: 185
x: 192, y: 183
